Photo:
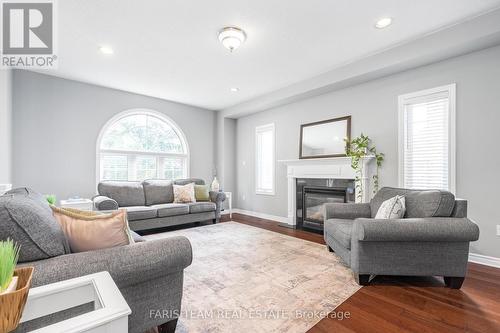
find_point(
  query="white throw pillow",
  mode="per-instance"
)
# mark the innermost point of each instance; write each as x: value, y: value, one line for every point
x: 393, y: 208
x: 184, y: 193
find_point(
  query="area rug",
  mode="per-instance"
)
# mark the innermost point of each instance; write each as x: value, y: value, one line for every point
x: 247, y: 279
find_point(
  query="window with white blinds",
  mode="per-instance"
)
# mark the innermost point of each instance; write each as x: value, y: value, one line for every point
x: 265, y: 159
x: 427, y: 139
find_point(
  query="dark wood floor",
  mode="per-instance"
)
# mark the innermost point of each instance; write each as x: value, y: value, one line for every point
x: 404, y: 304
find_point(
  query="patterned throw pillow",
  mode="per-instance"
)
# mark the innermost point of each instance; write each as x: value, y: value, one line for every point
x: 393, y: 208
x: 184, y: 193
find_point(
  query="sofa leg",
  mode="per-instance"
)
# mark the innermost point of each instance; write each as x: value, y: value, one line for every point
x: 168, y: 327
x: 454, y: 282
x: 329, y: 248
x: 362, y: 279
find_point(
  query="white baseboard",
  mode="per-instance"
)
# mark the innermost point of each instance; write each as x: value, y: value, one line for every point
x: 260, y: 215
x: 484, y: 260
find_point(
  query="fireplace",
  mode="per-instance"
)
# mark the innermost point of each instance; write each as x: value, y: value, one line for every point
x: 313, y: 193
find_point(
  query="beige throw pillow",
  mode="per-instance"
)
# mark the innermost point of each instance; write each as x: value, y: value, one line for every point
x: 393, y: 208
x: 87, y: 231
x: 184, y: 193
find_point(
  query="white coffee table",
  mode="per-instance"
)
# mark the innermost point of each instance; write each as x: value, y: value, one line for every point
x: 82, y: 204
x: 110, y: 313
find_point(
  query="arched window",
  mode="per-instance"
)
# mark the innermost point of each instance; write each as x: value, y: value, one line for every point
x: 142, y: 144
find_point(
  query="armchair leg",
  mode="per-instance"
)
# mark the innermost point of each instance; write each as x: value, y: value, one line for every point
x: 453, y: 282
x: 214, y: 221
x: 329, y: 248
x: 168, y: 327
x: 362, y: 279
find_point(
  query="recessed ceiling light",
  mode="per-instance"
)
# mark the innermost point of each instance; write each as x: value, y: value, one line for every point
x: 106, y: 50
x: 235, y: 89
x: 232, y: 37
x: 383, y: 23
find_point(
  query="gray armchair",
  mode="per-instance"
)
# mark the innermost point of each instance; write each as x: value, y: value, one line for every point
x: 432, y: 239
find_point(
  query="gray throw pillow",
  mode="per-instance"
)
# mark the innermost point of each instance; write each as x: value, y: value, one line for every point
x: 26, y: 217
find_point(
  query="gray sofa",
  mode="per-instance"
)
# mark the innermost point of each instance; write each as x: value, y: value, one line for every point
x: 432, y: 238
x: 150, y: 203
x: 149, y: 274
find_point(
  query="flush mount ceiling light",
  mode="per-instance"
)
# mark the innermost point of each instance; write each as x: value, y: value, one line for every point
x: 106, y: 50
x: 235, y: 89
x: 383, y: 23
x: 232, y: 37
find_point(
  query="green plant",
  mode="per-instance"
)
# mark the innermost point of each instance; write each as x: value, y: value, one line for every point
x: 9, y: 254
x: 51, y: 199
x: 356, y: 149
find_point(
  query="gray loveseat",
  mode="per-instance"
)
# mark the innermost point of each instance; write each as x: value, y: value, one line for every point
x: 432, y: 238
x: 150, y: 203
x: 149, y: 274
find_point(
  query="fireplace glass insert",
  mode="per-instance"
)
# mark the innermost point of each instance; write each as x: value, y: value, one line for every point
x: 312, y: 194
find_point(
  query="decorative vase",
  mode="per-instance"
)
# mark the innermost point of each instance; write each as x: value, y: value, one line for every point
x: 12, y: 303
x: 215, y: 185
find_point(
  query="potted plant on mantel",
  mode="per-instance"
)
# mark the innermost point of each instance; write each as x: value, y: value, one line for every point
x: 358, y: 148
x: 14, y: 286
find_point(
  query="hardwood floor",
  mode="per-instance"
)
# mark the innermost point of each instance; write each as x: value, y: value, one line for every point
x: 409, y: 304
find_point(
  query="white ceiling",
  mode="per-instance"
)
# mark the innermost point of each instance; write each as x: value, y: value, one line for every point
x: 169, y: 48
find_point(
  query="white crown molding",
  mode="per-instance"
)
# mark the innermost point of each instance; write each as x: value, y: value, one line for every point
x: 471, y: 35
x: 484, y: 260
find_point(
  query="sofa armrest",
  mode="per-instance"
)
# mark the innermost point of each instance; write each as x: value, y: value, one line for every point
x: 217, y: 198
x: 102, y: 202
x: 348, y: 211
x: 433, y: 229
x: 128, y: 265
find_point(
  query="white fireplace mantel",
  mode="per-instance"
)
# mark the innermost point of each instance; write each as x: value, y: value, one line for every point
x: 330, y: 168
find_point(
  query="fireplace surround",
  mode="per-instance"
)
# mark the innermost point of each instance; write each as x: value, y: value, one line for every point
x: 327, y: 172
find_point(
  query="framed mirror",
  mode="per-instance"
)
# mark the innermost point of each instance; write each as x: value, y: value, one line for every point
x: 325, y: 138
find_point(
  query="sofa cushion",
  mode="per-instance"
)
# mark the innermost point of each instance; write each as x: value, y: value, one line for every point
x: 419, y: 203
x: 26, y: 218
x: 158, y: 191
x: 124, y: 193
x: 171, y: 209
x: 341, y: 230
x: 201, y: 207
x: 189, y: 180
x: 135, y: 213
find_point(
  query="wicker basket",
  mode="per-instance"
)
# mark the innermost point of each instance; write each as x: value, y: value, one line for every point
x: 12, y: 304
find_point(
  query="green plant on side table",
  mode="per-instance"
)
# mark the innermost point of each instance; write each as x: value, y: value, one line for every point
x: 14, y: 286
x: 356, y: 149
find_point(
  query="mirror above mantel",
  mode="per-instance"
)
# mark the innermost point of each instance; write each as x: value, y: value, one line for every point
x: 324, y: 139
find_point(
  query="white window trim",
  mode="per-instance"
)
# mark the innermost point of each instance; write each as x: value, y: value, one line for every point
x: 140, y: 111
x: 402, y: 99
x: 264, y: 128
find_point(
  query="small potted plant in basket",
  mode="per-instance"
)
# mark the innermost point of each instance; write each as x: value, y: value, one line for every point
x: 14, y: 286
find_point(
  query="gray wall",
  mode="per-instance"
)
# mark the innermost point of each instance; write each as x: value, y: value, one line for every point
x: 373, y: 106
x: 56, y: 123
x: 5, y: 126
x: 225, y: 141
